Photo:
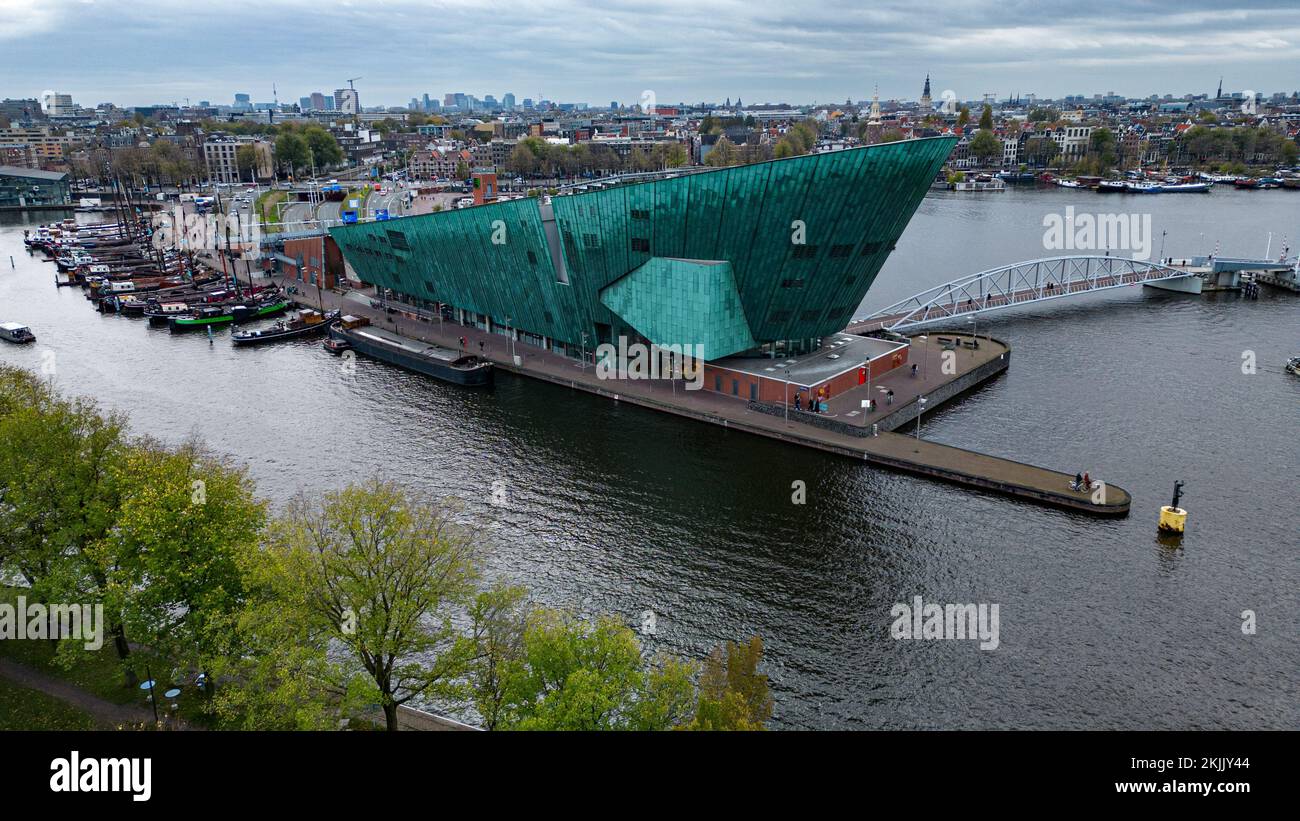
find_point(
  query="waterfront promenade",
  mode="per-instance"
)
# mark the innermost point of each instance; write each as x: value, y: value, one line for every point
x: 843, y: 430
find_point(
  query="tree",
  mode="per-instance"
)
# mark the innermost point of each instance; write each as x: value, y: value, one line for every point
x: 1102, y: 149
x: 963, y: 116
x: 356, y: 592
x: 246, y: 162
x: 589, y: 675
x: 291, y: 151
x: 985, y: 146
x: 733, y: 695
x: 986, y: 118
x: 722, y: 154
x: 462, y: 170
x: 323, y: 148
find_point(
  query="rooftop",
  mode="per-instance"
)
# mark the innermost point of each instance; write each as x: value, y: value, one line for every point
x: 839, y: 353
x: 31, y: 173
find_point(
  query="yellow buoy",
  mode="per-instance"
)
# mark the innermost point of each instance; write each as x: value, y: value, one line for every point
x: 1172, y: 519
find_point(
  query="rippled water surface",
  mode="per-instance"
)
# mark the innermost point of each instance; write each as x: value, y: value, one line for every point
x: 619, y: 509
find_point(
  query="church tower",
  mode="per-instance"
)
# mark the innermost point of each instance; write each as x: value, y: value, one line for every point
x: 874, y: 129
x: 926, y: 107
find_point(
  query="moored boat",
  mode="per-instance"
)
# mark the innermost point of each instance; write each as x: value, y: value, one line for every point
x: 1293, y: 366
x: 307, y: 323
x: 356, y: 333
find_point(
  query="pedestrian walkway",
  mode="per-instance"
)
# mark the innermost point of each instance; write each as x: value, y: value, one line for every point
x: 108, y: 715
x: 938, y: 367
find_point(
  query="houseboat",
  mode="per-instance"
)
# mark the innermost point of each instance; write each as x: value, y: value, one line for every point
x: 13, y: 332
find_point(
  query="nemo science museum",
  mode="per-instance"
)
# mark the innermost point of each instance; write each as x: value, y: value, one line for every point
x: 758, y: 265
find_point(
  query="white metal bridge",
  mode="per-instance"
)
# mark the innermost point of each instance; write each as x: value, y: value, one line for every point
x: 1021, y: 283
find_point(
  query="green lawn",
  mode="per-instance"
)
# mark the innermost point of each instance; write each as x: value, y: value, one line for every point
x: 99, y: 672
x: 24, y: 709
x: 265, y: 205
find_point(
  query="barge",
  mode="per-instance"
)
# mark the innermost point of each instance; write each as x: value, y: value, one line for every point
x: 356, y: 334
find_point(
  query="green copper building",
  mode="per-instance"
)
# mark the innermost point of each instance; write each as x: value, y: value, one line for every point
x: 749, y: 258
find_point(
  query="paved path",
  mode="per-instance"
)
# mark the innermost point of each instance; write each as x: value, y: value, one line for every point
x: 894, y: 450
x: 108, y: 715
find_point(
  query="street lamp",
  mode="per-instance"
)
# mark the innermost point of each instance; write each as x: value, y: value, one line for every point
x: 786, y: 396
x: 925, y: 356
x: 919, y: 410
x: 584, y: 350
x: 512, y: 339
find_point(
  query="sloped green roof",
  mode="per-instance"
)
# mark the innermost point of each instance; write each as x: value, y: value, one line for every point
x: 683, y: 302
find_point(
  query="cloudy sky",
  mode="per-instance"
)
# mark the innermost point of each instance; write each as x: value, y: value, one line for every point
x: 137, y: 52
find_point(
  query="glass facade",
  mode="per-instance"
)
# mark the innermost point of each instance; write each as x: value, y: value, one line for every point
x: 25, y: 186
x: 742, y: 256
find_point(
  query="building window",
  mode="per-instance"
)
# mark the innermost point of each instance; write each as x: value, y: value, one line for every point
x: 735, y: 387
x: 792, y: 283
x: 841, y: 251
x: 805, y: 251
x: 590, y: 241
x: 640, y: 214
x: 532, y: 258
x: 869, y: 248
x: 641, y: 244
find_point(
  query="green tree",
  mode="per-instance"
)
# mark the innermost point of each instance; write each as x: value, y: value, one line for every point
x: 963, y: 116
x: 323, y: 148
x: 291, y: 151
x: 356, y: 592
x: 986, y: 118
x: 589, y: 675
x: 733, y: 695
x: 246, y: 162
x: 985, y: 146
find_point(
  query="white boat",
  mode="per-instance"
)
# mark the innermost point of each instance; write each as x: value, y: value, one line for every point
x: 13, y: 332
x: 1293, y: 365
x: 983, y: 182
x: 1143, y: 188
x: 1068, y: 184
x: 1187, y: 188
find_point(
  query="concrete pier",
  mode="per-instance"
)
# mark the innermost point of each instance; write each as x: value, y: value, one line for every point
x: 948, y: 366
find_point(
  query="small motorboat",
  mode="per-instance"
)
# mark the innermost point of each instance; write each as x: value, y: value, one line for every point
x: 1293, y: 366
x: 14, y: 332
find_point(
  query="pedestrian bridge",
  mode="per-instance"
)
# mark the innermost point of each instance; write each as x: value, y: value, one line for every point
x: 1022, y: 283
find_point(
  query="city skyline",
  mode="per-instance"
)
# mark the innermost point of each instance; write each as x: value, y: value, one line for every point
x: 762, y: 54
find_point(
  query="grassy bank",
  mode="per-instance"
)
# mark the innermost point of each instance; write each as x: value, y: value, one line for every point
x: 25, y: 709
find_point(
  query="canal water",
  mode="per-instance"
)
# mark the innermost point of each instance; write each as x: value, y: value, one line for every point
x: 604, y: 508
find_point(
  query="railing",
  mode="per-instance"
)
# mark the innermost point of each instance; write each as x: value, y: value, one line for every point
x: 1018, y: 284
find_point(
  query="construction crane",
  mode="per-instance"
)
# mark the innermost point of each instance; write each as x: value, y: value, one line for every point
x: 350, y: 81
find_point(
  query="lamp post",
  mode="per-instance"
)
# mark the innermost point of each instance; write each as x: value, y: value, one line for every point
x: 584, y: 350
x: 786, y: 396
x: 925, y: 356
x: 512, y: 339
x: 919, y: 410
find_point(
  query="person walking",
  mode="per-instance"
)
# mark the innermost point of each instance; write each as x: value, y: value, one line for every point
x: 1087, y: 481
x: 796, y: 401
x: 1078, y: 481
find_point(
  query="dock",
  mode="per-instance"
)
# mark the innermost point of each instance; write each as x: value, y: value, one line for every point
x: 880, y: 438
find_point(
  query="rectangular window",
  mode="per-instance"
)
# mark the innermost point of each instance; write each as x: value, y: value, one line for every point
x: 532, y: 258
x: 640, y: 214
x: 735, y: 387
x: 717, y: 383
x: 641, y: 244
x: 841, y: 251
x: 590, y: 241
x: 805, y: 251
x: 753, y: 392
x: 869, y: 248
x: 792, y: 283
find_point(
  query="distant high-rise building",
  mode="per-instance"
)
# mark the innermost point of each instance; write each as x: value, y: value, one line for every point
x: 304, y: 103
x: 414, y: 105
x: 329, y: 103
x: 317, y: 101
x: 57, y: 105
x: 243, y: 102
x: 347, y: 101
x: 489, y: 102
x: 508, y: 101
x: 425, y: 103
x: 613, y: 105
x: 528, y: 102
x: 925, y: 96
